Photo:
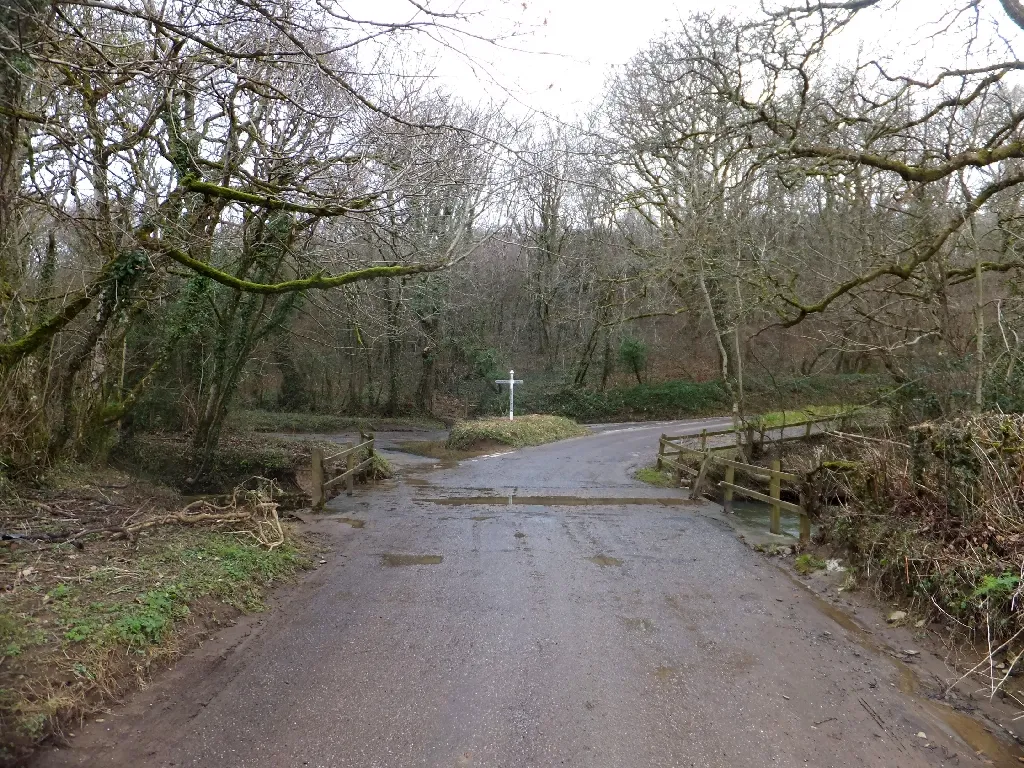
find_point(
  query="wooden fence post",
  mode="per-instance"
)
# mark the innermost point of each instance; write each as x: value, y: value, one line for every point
x: 703, y: 440
x: 805, y: 520
x: 661, y: 449
x: 317, y: 494
x: 730, y: 479
x: 350, y: 463
x: 370, y: 454
x: 807, y: 432
x: 775, y: 493
x: 699, y: 482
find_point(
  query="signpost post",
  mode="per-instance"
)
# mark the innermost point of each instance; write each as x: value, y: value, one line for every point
x: 511, y: 381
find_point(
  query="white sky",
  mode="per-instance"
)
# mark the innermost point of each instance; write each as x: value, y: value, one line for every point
x: 562, y: 51
x: 568, y: 48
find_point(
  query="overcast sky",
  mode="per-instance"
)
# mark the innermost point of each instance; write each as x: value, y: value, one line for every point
x: 561, y: 51
x: 568, y: 47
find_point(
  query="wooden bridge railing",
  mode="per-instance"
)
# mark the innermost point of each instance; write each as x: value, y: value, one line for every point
x: 673, y: 444
x: 673, y: 460
x: 352, y: 468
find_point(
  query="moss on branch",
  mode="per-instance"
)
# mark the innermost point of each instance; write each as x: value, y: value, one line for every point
x: 315, y: 282
x: 273, y: 203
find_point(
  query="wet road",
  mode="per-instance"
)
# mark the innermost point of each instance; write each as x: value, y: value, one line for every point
x: 541, y: 634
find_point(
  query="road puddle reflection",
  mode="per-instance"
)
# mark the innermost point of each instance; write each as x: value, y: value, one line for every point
x: 396, y: 561
x: 559, y: 501
x: 604, y: 560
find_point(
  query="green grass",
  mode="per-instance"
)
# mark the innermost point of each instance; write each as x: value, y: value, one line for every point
x: 808, y: 563
x: 525, y: 430
x: 656, y: 477
x: 67, y: 646
x: 774, y: 419
x: 146, y: 606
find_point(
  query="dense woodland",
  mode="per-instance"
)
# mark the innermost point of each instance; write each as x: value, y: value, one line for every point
x: 207, y: 205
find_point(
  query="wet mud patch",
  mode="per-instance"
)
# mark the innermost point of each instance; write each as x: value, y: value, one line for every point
x: 604, y: 560
x: 639, y: 625
x: 397, y: 561
x: 520, y: 535
x: 666, y: 674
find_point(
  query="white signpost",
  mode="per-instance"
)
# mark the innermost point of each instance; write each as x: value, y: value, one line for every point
x: 511, y: 381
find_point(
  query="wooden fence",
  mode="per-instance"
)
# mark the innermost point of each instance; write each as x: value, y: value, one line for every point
x: 669, y: 445
x: 353, y: 467
x: 671, y: 452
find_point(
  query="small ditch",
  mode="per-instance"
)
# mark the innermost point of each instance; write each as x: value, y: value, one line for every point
x: 971, y: 731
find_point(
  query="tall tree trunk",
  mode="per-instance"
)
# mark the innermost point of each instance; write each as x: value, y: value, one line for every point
x: 587, y: 356
x: 428, y: 364
x: 723, y: 344
x: 21, y: 22
x: 394, y: 346
x: 607, y: 362
x: 979, y: 319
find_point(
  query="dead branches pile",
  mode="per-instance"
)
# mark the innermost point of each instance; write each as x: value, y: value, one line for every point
x: 252, y: 510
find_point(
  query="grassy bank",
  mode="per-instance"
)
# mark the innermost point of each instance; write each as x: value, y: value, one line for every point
x: 935, y: 518
x: 525, y: 430
x: 167, y: 459
x: 86, y: 621
x: 656, y: 477
x: 247, y: 421
x: 776, y: 419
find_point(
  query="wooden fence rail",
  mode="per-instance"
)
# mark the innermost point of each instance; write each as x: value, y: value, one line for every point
x: 669, y: 444
x: 730, y: 488
x: 352, y: 468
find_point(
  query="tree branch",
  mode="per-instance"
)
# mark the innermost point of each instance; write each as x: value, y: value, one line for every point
x: 274, y: 203
x: 315, y: 282
x: 1015, y: 10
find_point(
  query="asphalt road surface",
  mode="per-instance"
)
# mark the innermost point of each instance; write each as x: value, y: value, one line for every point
x: 538, y: 608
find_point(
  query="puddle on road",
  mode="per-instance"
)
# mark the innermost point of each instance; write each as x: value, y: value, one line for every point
x: 481, y: 518
x: 351, y: 521
x: 520, y: 535
x: 417, y: 482
x: 558, y: 501
x: 396, y: 561
x: 971, y: 731
x: 639, y: 625
x: 604, y: 560
x: 666, y: 673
